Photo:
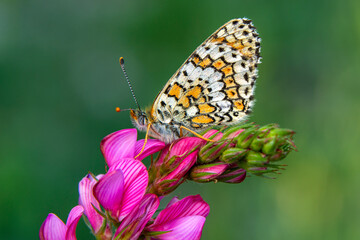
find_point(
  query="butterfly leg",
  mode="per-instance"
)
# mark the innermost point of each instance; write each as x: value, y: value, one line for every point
x: 146, y: 139
x: 195, y: 133
x: 181, y: 132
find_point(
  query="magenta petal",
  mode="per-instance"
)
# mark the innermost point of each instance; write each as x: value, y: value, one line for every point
x: 135, y: 183
x: 208, y: 172
x: 179, y: 148
x: 139, y: 217
x: 188, y: 206
x: 185, y: 228
x: 88, y: 201
x: 74, y: 214
x: 72, y: 221
x: 183, y: 167
x: 163, y: 155
x: 172, y: 201
x: 117, y: 145
x: 236, y: 133
x: 211, y: 132
x: 109, y: 191
x: 152, y: 146
x: 52, y: 228
x: 184, y: 145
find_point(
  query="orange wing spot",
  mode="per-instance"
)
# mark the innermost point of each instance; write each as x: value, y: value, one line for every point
x: 206, y: 62
x: 239, y: 105
x: 234, y: 44
x: 227, y: 71
x: 206, y: 108
x: 184, y: 101
x: 232, y: 93
x: 229, y: 82
x: 194, y: 125
x: 201, y: 100
x: 248, y: 52
x: 194, y: 92
x: 218, y: 40
x: 219, y: 64
x: 244, y: 49
x: 175, y: 91
x: 196, y: 60
x: 202, y: 119
x: 237, y: 45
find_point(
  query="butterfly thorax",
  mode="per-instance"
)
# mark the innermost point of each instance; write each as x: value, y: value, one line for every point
x: 166, y: 132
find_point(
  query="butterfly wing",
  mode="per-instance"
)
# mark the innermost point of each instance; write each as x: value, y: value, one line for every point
x: 215, y: 85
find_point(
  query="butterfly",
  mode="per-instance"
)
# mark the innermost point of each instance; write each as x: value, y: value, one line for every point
x: 214, y: 86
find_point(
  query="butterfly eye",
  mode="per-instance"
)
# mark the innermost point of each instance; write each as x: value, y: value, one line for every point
x: 142, y: 120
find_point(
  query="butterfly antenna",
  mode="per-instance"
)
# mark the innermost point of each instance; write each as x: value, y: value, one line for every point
x: 117, y: 109
x: 121, y: 61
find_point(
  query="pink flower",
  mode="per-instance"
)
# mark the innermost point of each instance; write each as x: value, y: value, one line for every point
x: 122, y: 187
x: 123, y: 144
x: 118, y: 191
x: 54, y: 229
x: 133, y: 224
x: 173, y: 164
x: 181, y: 219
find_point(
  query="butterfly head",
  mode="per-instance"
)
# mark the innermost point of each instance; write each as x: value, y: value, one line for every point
x: 139, y: 119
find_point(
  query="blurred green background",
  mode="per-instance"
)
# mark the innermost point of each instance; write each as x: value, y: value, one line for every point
x: 60, y: 82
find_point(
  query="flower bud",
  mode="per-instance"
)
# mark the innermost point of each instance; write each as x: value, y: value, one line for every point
x: 250, y: 147
x: 234, y: 174
x: 233, y: 132
x: 279, y: 155
x: 256, y: 158
x: 223, y: 141
x: 170, y: 181
x: 232, y: 155
x: 207, y: 172
x: 245, y: 138
x: 281, y: 132
x: 258, y: 143
x: 268, y: 127
x: 173, y: 163
x: 270, y: 146
x: 212, y: 151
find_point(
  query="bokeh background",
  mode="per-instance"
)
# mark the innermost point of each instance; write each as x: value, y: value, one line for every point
x: 60, y: 82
